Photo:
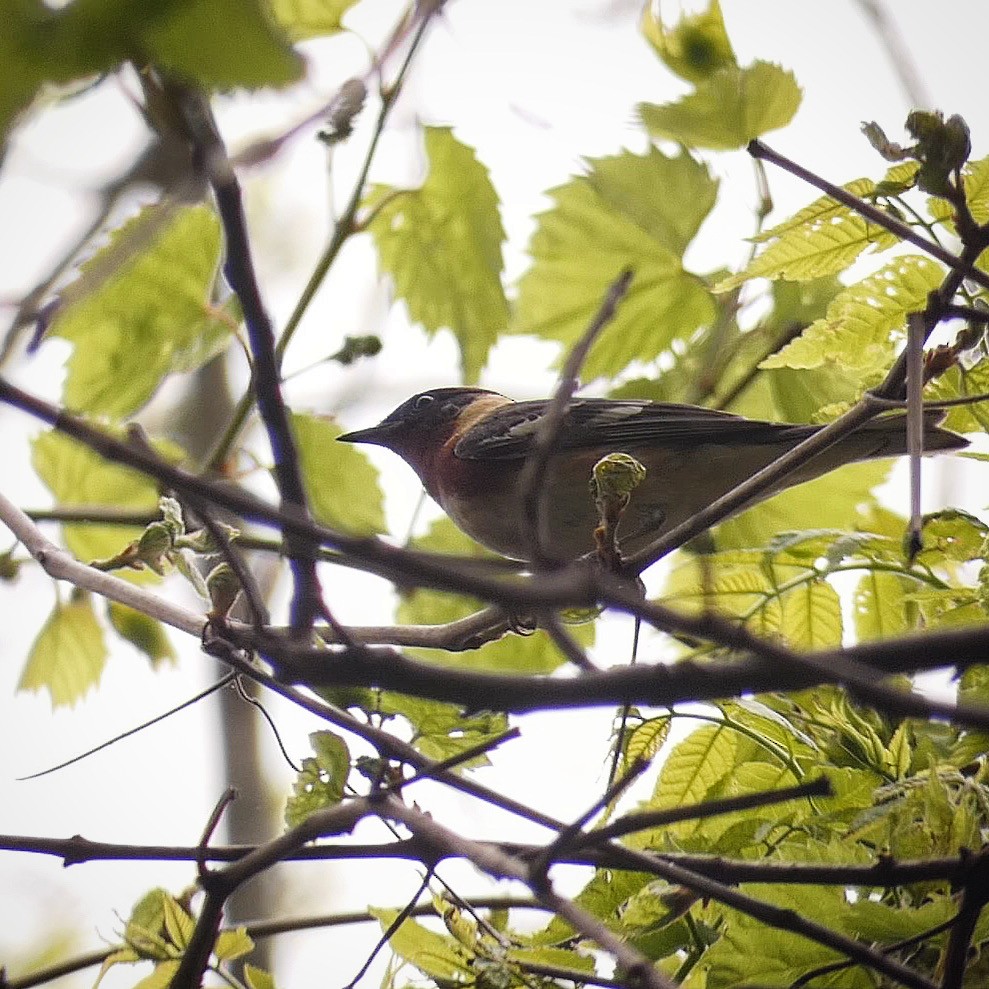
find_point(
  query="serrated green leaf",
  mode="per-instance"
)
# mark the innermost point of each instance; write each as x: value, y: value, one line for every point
x: 76, y: 475
x: 322, y: 779
x: 957, y: 382
x: 433, y: 954
x: 975, y: 182
x: 629, y: 212
x: 693, y: 768
x: 751, y: 953
x: 811, y: 615
x: 880, y: 606
x: 666, y: 197
x: 341, y: 484
x: 441, y: 730
x: 68, y: 655
x: 823, y: 210
x: 441, y: 245
x: 149, y: 318
x: 647, y: 739
x: 821, y: 239
x: 258, y: 978
x: 143, y: 632
x: 728, y: 108
x: 233, y: 944
x: 301, y: 19
x: 696, y: 47
x: 866, y: 322
x: 179, y: 924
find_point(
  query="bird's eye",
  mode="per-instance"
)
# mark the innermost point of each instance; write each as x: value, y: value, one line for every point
x: 422, y: 402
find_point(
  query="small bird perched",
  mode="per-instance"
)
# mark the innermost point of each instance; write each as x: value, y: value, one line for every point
x: 469, y: 446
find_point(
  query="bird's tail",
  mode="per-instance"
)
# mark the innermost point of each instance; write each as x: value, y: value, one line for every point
x: 887, y: 437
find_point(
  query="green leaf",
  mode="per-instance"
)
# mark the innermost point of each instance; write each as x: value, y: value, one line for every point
x: 68, y: 655
x: 665, y: 197
x: 557, y: 957
x: 647, y: 739
x: 869, y: 920
x: 322, y: 780
x: 952, y: 535
x: 162, y: 976
x: 219, y: 43
x: 691, y: 771
x: 143, y: 632
x: 831, y: 501
x: 439, y: 957
x: 258, y: 978
x: 696, y: 47
x: 341, y: 484
x: 629, y: 212
x: 751, y: 953
x: 146, y: 925
x: 812, y: 615
x: 76, y: 475
x: 149, y: 317
x: 301, y: 19
x: 958, y: 382
x: 179, y: 924
x: 975, y: 181
x: 233, y: 944
x: 441, y: 730
x: 881, y: 606
x: 866, y: 322
x: 821, y: 239
x: 441, y: 245
x: 728, y: 108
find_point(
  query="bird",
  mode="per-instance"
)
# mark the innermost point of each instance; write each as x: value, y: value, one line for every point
x: 469, y: 447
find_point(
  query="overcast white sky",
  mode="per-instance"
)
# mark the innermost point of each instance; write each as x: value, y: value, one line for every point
x: 535, y: 86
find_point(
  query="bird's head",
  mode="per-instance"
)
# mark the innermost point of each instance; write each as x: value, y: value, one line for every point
x: 421, y: 426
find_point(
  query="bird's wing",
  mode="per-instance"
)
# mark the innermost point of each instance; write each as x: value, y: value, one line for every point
x: 509, y: 432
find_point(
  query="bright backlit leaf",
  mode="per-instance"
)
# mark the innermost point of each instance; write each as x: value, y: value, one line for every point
x: 823, y: 238
x: 629, y: 212
x: 728, y: 108
x: 829, y: 502
x: 811, y: 615
x: 341, y: 484
x: 695, y: 47
x: 692, y: 769
x: 149, y: 317
x: 441, y: 245
x: 865, y: 322
x: 301, y: 19
x: 436, y: 955
x: 142, y: 632
x: 68, y: 655
x: 322, y: 779
x: 77, y: 476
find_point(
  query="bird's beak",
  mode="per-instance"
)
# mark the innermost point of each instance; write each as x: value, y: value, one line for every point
x: 380, y: 435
